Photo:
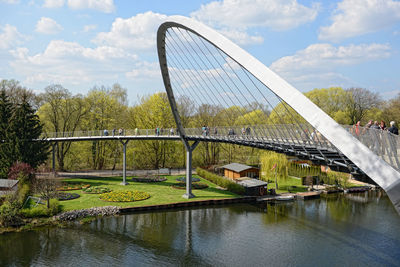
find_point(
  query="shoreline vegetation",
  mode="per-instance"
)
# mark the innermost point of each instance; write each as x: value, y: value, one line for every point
x: 87, y: 207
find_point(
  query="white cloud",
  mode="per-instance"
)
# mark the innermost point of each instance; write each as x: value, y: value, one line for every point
x: 145, y: 70
x: 90, y: 27
x: 138, y: 32
x: 9, y: 1
x: 48, y: 26
x: 358, y: 17
x: 273, y: 14
x: 326, y: 56
x: 317, y: 63
x: 106, y: 6
x: 9, y: 36
x: 241, y: 37
x: 71, y: 63
x: 53, y: 3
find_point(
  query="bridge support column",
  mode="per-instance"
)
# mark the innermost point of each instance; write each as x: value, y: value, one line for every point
x: 189, y: 149
x: 54, y: 158
x: 124, y: 143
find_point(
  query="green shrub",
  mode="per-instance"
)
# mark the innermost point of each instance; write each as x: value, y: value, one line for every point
x: 38, y: 211
x: 22, y: 194
x: 9, y: 214
x: 54, y: 206
x: 221, y: 181
x: 42, y: 210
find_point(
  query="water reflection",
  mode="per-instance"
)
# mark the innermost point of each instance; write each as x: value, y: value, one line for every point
x: 357, y: 229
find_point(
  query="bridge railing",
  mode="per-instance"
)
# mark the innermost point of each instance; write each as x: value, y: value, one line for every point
x: 381, y: 142
x: 285, y: 134
x: 112, y: 132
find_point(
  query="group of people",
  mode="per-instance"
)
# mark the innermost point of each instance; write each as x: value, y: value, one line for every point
x: 205, y: 130
x: 114, y: 131
x: 376, y: 125
x: 160, y: 131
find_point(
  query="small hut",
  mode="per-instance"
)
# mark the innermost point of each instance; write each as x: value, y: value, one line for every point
x: 8, y: 186
x: 237, y: 170
x: 253, y: 187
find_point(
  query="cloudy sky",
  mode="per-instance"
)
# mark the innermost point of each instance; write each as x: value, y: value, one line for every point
x: 83, y: 43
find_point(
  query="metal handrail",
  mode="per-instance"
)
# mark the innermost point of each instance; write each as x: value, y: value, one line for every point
x: 383, y: 143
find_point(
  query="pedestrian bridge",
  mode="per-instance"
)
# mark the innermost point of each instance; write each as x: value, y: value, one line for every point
x: 207, y: 75
x: 308, y: 144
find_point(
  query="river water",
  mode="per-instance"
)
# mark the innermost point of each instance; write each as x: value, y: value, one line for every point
x: 345, y: 230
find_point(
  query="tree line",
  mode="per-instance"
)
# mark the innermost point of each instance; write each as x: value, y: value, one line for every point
x: 19, y: 125
x: 61, y: 111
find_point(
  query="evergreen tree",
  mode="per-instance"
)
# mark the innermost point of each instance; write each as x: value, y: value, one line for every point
x: 6, y: 142
x: 26, y: 127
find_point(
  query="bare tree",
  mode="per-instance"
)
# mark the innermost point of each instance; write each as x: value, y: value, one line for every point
x: 46, y: 188
x: 62, y: 113
x: 359, y: 101
x: 16, y: 92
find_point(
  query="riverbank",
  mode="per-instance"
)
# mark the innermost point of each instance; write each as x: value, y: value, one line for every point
x: 356, y: 229
x: 163, y: 195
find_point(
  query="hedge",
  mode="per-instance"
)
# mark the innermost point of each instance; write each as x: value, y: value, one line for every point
x: 42, y: 210
x: 221, y: 181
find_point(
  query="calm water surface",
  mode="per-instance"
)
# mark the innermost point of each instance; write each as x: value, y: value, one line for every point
x: 347, y: 230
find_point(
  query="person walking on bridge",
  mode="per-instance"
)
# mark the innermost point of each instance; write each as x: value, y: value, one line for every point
x: 393, y: 129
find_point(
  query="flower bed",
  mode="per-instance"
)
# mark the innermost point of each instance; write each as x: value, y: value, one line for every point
x: 182, y: 185
x: 149, y: 179
x: 69, y: 187
x: 67, y: 196
x: 183, y: 179
x: 96, y: 190
x: 124, y: 196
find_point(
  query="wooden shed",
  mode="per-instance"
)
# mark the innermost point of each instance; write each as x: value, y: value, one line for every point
x: 253, y: 187
x: 237, y: 170
x: 8, y: 186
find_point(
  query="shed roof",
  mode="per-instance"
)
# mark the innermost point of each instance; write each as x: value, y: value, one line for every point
x: 8, y: 183
x: 250, y: 182
x: 237, y: 167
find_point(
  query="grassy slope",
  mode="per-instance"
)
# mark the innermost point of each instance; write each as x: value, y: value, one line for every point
x: 161, y: 193
x: 287, y: 184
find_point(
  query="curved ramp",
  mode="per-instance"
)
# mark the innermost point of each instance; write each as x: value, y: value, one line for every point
x: 170, y: 37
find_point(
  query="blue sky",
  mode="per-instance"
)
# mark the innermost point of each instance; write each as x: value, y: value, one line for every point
x: 83, y: 43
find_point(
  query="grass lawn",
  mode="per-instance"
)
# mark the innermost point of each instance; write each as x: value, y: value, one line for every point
x: 292, y: 184
x: 160, y: 192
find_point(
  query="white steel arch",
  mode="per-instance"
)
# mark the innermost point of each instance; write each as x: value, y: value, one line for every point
x: 371, y: 164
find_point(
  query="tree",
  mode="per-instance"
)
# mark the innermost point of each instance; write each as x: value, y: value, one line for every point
x: 16, y: 92
x: 152, y: 112
x: 21, y: 171
x: 26, y: 127
x: 331, y: 100
x: 6, y: 144
x: 359, y: 101
x: 108, y: 110
x: 62, y: 114
x: 46, y: 188
x: 391, y: 110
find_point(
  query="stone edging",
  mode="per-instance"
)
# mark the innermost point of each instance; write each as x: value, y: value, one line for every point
x: 188, y: 204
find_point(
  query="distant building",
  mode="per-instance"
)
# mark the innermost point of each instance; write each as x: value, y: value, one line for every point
x: 237, y: 170
x: 8, y: 186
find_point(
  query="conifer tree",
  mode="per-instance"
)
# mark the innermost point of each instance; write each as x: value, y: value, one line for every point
x: 6, y: 142
x: 26, y: 127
